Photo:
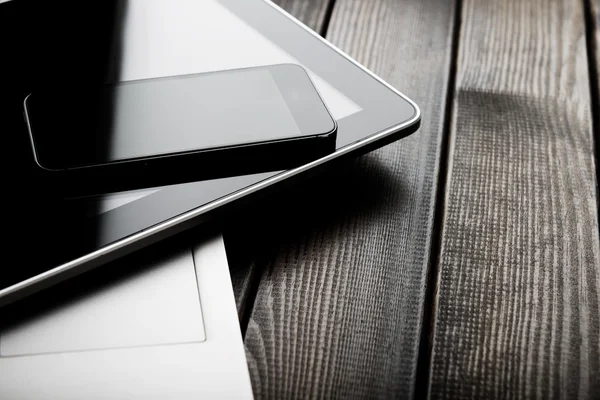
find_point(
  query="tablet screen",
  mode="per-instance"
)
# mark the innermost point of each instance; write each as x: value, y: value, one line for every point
x: 139, y: 39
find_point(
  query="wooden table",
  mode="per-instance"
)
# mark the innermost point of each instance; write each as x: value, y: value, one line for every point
x: 463, y: 261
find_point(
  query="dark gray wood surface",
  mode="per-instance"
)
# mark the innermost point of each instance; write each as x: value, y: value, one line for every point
x: 595, y: 14
x: 594, y: 53
x: 311, y: 12
x: 332, y: 294
x: 518, y: 307
x: 339, y: 306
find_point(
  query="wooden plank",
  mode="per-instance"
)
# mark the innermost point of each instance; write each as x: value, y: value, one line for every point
x: 310, y: 12
x: 242, y: 249
x: 594, y: 52
x: 595, y: 9
x: 339, y: 308
x: 518, y: 311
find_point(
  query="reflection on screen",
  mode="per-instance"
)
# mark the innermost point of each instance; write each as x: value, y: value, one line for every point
x: 162, y: 116
x: 222, y: 39
x: 102, y: 204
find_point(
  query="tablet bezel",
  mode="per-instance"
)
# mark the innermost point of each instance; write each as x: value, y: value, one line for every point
x: 385, y: 111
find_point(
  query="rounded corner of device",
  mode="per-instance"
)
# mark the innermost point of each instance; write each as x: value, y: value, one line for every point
x: 330, y: 135
x: 413, y: 123
x: 36, y: 157
x: 38, y: 163
x: 416, y: 117
x: 25, y: 100
x: 294, y: 65
x: 333, y: 131
x: 26, y: 114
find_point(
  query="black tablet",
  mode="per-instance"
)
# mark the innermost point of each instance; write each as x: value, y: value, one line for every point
x: 113, y: 41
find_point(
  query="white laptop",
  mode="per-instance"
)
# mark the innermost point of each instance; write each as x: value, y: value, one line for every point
x: 169, y: 331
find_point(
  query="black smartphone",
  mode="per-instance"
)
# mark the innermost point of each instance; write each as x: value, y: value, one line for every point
x: 175, y: 129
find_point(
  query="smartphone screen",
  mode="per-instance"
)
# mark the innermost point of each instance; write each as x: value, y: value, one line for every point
x: 79, y: 127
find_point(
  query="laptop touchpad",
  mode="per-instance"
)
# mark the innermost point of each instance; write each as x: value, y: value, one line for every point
x: 157, y: 305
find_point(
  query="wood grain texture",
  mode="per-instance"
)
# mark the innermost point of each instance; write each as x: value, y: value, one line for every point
x: 242, y: 268
x: 243, y: 245
x: 518, y: 312
x: 339, y: 307
x: 311, y: 12
x: 595, y: 7
x: 594, y: 52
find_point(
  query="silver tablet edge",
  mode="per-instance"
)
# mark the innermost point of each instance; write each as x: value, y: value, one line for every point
x: 185, y: 221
